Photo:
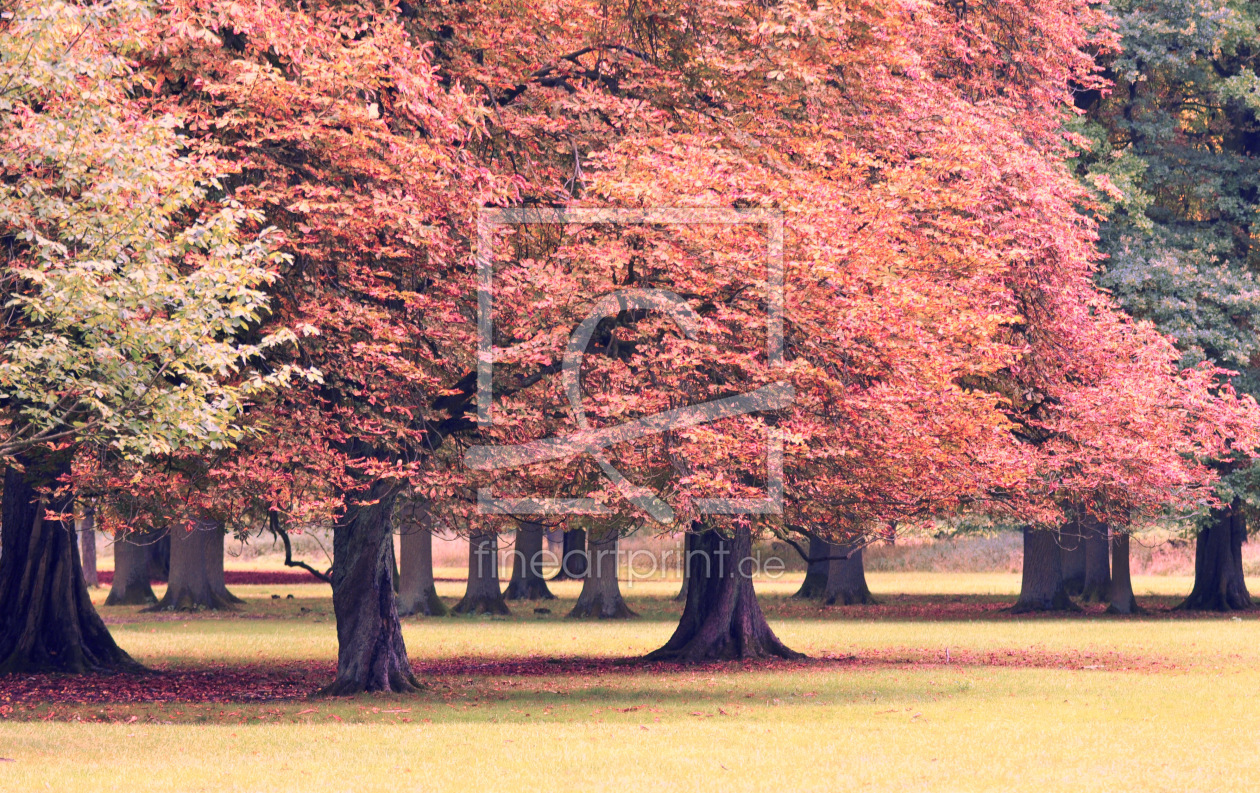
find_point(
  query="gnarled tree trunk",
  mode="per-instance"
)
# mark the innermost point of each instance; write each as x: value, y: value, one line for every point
x: 417, y: 593
x: 573, y: 561
x: 1218, y: 572
x: 85, y: 525
x: 601, y: 593
x: 527, y: 582
x: 1097, y: 584
x: 1042, y: 586
x: 846, y: 578
x: 131, y: 573
x: 1120, y: 594
x: 197, y: 581
x: 47, y: 623
x: 482, y: 595
x: 371, y: 655
x: 722, y: 619
x: 818, y: 568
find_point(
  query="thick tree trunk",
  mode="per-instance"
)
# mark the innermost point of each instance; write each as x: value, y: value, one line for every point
x: 601, y: 593
x: 573, y: 561
x: 815, y: 584
x: 1072, y: 551
x: 1218, y: 572
x: 131, y: 573
x: 482, y: 595
x: 1097, y: 584
x: 159, y: 556
x: 846, y: 578
x: 86, y: 528
x: 1042, y: 587
x: 371, y: 655
x: 417, y: 594
x: 722, y: 619
x: 196, y: 580
x: 527, y: 582
x: 47, y: 623
x: 1121, y: 591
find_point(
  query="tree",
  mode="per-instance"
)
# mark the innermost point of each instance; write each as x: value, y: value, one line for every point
x: 131, y: 585
x: 818, y: 567
x: 527, y: 582
x: 85, y: 526
x: 417, y: 592
x: 601, y: 593
x: 482, y: 595
x: 197, y: 581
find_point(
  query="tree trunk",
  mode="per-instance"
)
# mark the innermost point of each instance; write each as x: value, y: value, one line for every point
x: 1042, y: 588
x: 527, y: 582
x: 159, y: 557
x: 1218, y: 573
x: 814, y: 586
x: 846, y: 578
x: 573, y: 562
x: 417, y: 594
x: 86, y: 527
x: 371, y: 655
x: 196, y: 580
x: 601, y: 593
x: 1072, y: 551
x: 482, y: 595
x: 722, y: 619
x: 1121, y: 592
x: 681, y: 597
x: 1097, y: 584
x: 47, y: 623
x: 131, y: 572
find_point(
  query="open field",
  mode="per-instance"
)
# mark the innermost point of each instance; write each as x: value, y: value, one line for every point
x: 942, y: 691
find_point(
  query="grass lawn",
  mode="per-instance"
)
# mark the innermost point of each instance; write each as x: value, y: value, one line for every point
x: 935, y: 689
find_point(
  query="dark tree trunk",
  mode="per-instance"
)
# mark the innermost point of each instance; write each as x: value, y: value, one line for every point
x: 47, y: 623
x: 159, y: 556
x: 86, y: 527
x: 1072, y: 551
x: 417, y: 593
x: 527, y: 582
x: 815, y: 584
x: 1042, y: 587
x: 482, y: 595
x: 601, y: 593
x: 573, y: 562
x: 721, y: 619
x: 1218, y: 572
x: 688, y: 544
x: 846, y: 578
x: 131, y: 573
x: 1121, y: 592
x: 196, y: 580
x: 371, y: 655
x: 1097, y: 584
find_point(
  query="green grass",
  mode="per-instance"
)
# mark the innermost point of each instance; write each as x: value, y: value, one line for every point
x: 1043, y: 704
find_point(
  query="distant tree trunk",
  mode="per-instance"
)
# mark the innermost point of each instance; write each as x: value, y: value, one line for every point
x: 482, y: 595
x: 86, y: 527
x: 131, y: 572
x: 846, y: 578
x: 47, y: 623
x: 573, y: 562
x: 371, y: 655
x: 721, y: 619
x: 1218, y: 572
x: 681, y: 597
x: 1097, y: 584
x: 1072, y: 552
x: 159, y: 557
x: 197, y: 579
x: 601, y: 593
x: 1121, y: 592
x: 417, y: 593
x: 1042, y: 587
x: 527, y: 582
x: 814, y: 586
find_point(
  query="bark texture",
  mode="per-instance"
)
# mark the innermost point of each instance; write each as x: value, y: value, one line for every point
x: 846, y: 578
x: 1120, y: 595
x: 131, y: 573
x: 601, y: 592
x: 1097, y: 584
x: 86, y: 527
x: 721, y: 619
x: 573, y: 562
x: 47, y: 623
x: 371, y: 655
x: 417, y: 593
x: 1218, y: 572
x: 196, y: 581
x: 527, y: 582
x: 1042, y: 588
x: 483, y: 595
x: 1072, y: 550
x: 814, y: 586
